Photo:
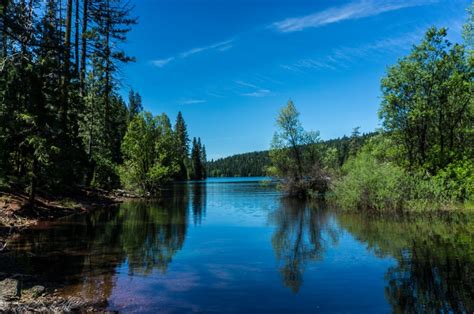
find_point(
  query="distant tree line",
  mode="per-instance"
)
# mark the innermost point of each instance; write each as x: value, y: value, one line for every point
x: 241, y: 165
x: 62, y: 120
x: 256, y: 164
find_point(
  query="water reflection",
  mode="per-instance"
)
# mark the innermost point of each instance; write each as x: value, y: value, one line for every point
x: 435, y: 260
x: 243, y: 228
x: 150, y: 238
x: 198, y: 203
x: 83, y: 252
x: 299, y: 238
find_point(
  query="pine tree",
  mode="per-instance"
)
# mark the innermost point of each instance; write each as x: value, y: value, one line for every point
x: 134, y: 104
x: 112, y: 23
x: 182, y: 139
x: 204, y: 162
x: 196, y: 161
x: 76, y: 38
x: 84, y: 36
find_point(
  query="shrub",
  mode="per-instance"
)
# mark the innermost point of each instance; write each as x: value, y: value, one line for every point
x: 456, y: 181
x: 368, y: 184
x: 449, y: 188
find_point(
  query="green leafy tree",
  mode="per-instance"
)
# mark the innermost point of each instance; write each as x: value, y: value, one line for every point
x: 149, y: 162
x: 427, y: 105
x: 295, y: 156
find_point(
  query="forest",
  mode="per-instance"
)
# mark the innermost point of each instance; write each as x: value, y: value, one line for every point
x: 106, y: 206
x: 64, y: 124
x: 63, y: 121
x: 423, y: 156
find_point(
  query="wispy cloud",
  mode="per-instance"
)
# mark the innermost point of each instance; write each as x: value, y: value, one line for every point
x: 342, y: 57
x: 354, y: 10
x: 215, y: 94
x: 162, y: 62
x: 252, y: 90
x: 267, y: 79
x: 192, y: 101
x: 219, y: 46
x: 245, y: 84
x: 258, y: 93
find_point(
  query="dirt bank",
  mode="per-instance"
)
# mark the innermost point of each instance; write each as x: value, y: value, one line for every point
x: 17, y: 215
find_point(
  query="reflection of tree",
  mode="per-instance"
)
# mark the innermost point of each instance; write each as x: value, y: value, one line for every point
x: 198, y: 201
x: 299, y: 238
x: 83, y: 251
x: 151, y: 235
x: 435, y: 264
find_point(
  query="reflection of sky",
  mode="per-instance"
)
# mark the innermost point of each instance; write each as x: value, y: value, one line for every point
x: 242, y: 204
x: 228, y: 264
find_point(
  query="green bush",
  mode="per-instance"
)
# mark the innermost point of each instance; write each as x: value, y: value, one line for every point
x: 449, y: 188
x: 105, y: 174
x: 457, y: 181
x: 368, y: 184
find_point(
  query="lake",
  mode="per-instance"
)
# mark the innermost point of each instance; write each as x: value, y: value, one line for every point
x: 236, y: 245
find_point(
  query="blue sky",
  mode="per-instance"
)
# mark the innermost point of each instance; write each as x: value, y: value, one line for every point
x: 229, y: 66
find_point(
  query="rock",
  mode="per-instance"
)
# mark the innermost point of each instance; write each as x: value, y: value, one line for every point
x: 14, y: 206
x: 9, y: 290
x: 37, y: 290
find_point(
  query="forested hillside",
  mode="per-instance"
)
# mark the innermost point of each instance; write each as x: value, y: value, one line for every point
x: 255, y: 164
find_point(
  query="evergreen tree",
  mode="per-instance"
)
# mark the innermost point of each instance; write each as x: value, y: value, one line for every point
x: 62, y: 121
x: 182, y: 138
x: 196, y: 160
x: 84, y: 38
x: 134, y: 104
x: 203, y: 162
x: 355, y: 142
x: 46, y: 125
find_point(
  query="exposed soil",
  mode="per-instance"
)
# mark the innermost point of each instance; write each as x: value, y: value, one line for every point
x: 16, y: 213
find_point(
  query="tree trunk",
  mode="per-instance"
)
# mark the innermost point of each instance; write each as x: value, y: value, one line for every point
x: 67, y: 64
x: 33, y: 182
x: 107, y: 70
x: 3, y: 24
x: 76, y: 41
x: 84, y: 46
x: 67, y: 38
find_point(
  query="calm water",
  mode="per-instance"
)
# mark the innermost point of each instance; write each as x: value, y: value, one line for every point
x: 234, y: 245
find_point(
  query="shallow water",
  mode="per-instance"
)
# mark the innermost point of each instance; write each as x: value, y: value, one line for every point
x: 235, y: 245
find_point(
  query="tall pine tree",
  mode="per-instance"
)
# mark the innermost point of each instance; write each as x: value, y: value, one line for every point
x: 182, y: 140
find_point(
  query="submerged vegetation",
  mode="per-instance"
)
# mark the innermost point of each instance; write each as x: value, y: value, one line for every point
x: 296, y: 159
x: 63, y: 122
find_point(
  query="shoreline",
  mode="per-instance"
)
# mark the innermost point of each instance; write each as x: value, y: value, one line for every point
x: 16, y: 215
x: 19, y: 293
